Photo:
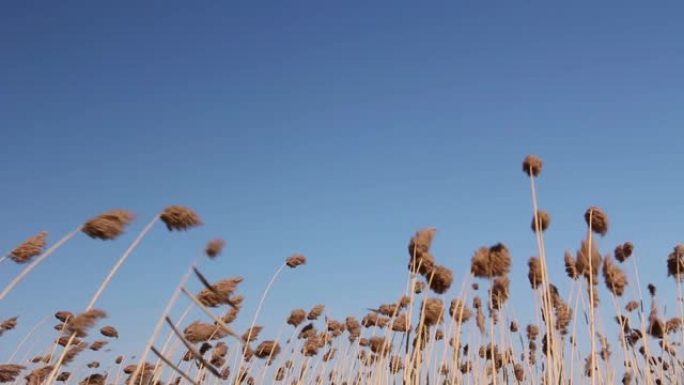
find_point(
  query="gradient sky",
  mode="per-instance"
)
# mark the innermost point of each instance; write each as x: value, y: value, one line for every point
x: 332, y: 130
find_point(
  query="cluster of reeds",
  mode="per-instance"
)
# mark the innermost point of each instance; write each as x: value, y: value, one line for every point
x: 430, y: 333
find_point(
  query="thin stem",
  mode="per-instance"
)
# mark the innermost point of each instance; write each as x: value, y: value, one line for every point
x: 121, y: 261
x: 37, y: 262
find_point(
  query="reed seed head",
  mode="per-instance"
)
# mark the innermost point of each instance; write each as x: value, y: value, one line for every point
x: 31, y: 247
x: 440, y: 279
x: 179, y: 218
x: 109, y: 331
x: 295, y: 260
x: 597, y: 220
x: 489, y: 262
x: 532, y: 165
x: 540, y: 221
x: 214, y: 248
x: 108, y: 225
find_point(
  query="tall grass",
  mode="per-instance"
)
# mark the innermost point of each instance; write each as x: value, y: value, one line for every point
x: 425, y: 335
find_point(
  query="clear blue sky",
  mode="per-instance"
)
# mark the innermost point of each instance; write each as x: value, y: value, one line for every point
x: 334, y: 130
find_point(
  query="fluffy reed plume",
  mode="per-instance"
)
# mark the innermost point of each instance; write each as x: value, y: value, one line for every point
x: 401, y: 323
x: 307, y: 331
x: 535, y: 272
x: 353, y: 328
x: 656, y: 327
x: 32, y: 247
x: 74, y: 351
x: 440, y: 279
x: 179, y: 218
x: 583, y: 265
x: 675, y: 263
x: 598, y: 218
x: 219, y: 293
x: 38, y: 376
x: 109, y: 225
x: 84, y: 321
x: 214, y: 248
x: 201, y: 332
x: 570, y: 266
x: 9, y: 372
x: 297, y: 316
x: 315, y: 312
x: 489, y: 262
x: 251, y: 334
x: 63, y: 340
x: 64, y: 315
x: 543, y: 220
x: 419, y: 287
x: 8, y: 324
x: 267, y: 349
x: 433, y: 311
x: 295, y: 260
x: 63, y: 377
x: 379, y: 345
x: 615, y: 279
x: 109, y: 331
x: 532, y: 165
x: 93, y: 365
x: 94, y: 379
x: 97, y: 345
x: 499, y: 292
x: 631, y: 306
x: 459, y: 311
x: 420, y: 259
x: 624, y: 251
x: 563, y: 313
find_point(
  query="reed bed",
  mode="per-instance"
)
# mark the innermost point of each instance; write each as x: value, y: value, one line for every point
x: 442, y: 329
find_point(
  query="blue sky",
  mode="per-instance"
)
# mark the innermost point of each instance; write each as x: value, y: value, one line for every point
x: 333, y: 130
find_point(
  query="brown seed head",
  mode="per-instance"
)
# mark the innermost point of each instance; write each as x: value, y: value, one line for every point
x: 109, y: 331
x: 488, y: 262
x: 84, y: 321
x: 97, y: 345
x: 614, y: 277
x: 251, y: 334
x: 315, y: 312
x: 214, y: 247
x: 675, y: 263
x: 535, y: 272
x: 499, y: 292
x: 30, y: 248
x: 624, y: 251
x: 200, y: 332
x: 459, y: 311
x: 219, y: 293
x: 179, y: 218
x: 532, y: 165
x: 440, y: 279
x: 543, y: 220
x: 433, y: 311
x: 267, y: 349
x: 420, y: 259
x: 597, y: 220
x: 297, y: 316
x: 9, y: 372
x: 295, y: 260
x: 109, y: 225
x: 570, y: 266
x: 584, y: 266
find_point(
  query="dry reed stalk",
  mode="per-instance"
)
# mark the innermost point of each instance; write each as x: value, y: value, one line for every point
x: 171, y: 365
x: 160, y: 322
x: 26, y: 338
x: 37, y: 262
x: 102, y: 287
x: 532, y: 166
x: 290, y: 262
